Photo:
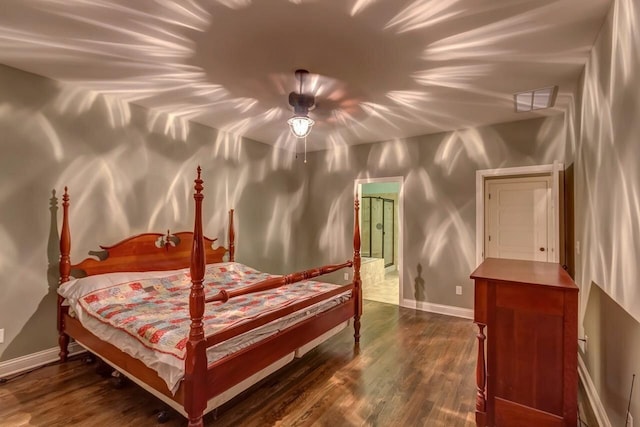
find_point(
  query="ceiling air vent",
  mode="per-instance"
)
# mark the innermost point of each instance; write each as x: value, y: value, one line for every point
x: 535, y: 99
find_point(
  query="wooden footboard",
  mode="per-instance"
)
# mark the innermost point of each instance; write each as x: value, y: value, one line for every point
x: 148, y: 252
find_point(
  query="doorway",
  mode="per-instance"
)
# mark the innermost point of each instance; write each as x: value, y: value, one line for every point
x: 518, y: 213
x: 381, y: 238
x: 518, y: 218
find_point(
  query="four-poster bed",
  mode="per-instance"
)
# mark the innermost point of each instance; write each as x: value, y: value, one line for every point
x: 146, y: 267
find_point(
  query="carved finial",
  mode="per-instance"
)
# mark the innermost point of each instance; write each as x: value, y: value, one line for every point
x: 53, y: 201
x: 198, y: 187
x: 167, y: 240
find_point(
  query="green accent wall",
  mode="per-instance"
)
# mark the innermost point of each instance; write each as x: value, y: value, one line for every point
x: 380, y: 188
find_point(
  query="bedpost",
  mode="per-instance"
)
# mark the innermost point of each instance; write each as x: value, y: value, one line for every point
x: 232, y: 238
x: 65, y: 271
x: 357, y: 283
x: 196, y: 359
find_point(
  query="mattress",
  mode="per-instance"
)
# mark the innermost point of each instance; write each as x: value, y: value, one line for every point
x: 113, y: 290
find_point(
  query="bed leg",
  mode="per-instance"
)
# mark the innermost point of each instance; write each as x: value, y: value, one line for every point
x: 196, y: 421
x: 356, y: 329
x: 118, y: 380
x: 63, y: 342
x: 103, y: 369
x: 162, y: 416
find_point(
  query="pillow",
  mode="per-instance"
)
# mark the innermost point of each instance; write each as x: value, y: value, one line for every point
x: 75, y: 289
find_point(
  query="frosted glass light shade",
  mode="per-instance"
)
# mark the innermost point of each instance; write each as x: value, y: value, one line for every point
x: 300, y: 125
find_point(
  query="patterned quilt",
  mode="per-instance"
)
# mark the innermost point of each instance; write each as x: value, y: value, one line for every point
x: 156, y: 311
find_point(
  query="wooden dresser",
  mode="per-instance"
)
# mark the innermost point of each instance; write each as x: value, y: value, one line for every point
x: 527, y: 315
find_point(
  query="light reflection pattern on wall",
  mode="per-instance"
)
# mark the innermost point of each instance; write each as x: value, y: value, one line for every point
x: 607, y: 152
x: 123, y: 180
x: 438, y: 192
x: 604, y: 138
x: 432, y: 69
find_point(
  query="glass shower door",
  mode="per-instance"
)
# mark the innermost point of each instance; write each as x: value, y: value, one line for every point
x: 388, y: 232
x: 377, y: 240
x: 366, y: 227
x: 378, y: 228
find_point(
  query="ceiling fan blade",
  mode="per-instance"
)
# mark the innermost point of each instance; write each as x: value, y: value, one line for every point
x: 322, y: 96
x: 294, y: 99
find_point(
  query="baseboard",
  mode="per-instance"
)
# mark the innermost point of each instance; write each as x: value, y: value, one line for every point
x: 592, y: 394
x: 34, y: 360
x: 448, y: 310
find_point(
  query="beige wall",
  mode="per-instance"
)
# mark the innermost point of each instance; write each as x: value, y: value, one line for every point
x: 606, y: 148
x: 439, y: 197
x: 126, y: 174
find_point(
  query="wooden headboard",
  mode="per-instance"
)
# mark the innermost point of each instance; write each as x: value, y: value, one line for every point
x: 143, y: 252
x: 149, y: 252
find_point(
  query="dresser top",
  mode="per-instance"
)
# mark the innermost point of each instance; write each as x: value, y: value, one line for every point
x: 532, y: 272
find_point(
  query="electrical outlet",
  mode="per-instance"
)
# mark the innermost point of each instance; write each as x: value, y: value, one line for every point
x: 346, y: 277
x: 629, y: 421
x: 458, y: 290
x: 2, y: 336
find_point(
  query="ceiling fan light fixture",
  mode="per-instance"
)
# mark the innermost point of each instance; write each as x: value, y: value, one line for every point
x: 300, y: 125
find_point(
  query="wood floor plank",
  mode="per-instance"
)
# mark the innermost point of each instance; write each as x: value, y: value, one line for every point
x: 412, y: 369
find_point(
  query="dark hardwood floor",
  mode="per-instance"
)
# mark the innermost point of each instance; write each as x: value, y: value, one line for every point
x: 413, y: 369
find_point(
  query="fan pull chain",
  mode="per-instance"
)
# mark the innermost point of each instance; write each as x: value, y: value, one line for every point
x: 305, y: 149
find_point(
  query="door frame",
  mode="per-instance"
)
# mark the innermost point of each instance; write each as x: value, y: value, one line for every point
x: 552, y: 170
x: 357, y: 187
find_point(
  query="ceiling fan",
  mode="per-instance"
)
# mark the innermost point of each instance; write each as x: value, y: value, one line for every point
x: 301, y: 123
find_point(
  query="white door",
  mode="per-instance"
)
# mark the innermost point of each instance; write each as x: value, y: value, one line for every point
x: 518, y: 218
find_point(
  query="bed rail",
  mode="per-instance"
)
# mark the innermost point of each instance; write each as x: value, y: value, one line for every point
x: 234, y: 331
x: 276, y: 282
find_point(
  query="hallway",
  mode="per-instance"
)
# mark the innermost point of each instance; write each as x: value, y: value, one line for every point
x: 386, y: 291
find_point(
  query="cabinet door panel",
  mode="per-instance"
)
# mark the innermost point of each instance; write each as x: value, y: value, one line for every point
x: 509, y: 414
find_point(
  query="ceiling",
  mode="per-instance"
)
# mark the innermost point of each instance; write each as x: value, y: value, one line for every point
x: 380, y: 69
